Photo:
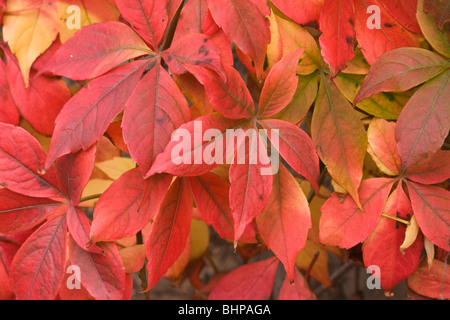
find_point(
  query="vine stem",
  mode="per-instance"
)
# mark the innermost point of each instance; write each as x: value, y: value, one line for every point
x: 311, y: 265
x: 172, y: 28
x: 143, y: 272
x: 91, y: 197
x: 406, y: 222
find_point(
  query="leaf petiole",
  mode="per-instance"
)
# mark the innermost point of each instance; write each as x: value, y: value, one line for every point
x: 405, y: 222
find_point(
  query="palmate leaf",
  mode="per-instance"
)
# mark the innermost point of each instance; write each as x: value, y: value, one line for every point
x: 400, y: 70
x: 284, y: 222
x: 38, y: 267
x: 105, y: 278
x: 170, y: 231
x: 149, y: 18
x: 345, y: 224
x: 381, y: 247
x: 339, y: 137
x: 388, y: 35
x: 424, y: 122
x: 95, y: 50
x: 253, y: 281
x: 98, y: 102
x: 338, y: 35
x: 430, y: 206
x: 155, y: 109
x: 244, y: 24
x: 30, y: 32
x: 128, y: 205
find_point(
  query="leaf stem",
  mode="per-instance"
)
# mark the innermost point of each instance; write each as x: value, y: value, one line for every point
x: 172, y: 28
x: 311, y: 265
x: 142, y: 272
x: 211, y: 262
x: 406, y: 222
x: 91, y: 197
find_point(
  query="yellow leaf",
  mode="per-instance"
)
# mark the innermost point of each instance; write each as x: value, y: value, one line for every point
x: 30, y: 27
x: 43, y: 140
x: 115, y: 167
x: 176, y: 270
x: 319, y: 270
x: 199, y: 239
x: 133, y: 258
x: 294, y: 37
x: 94, y: 187
x: 75, y: 14
x: 429, y: 249
x: 275, y: 47
x: 412, y: 230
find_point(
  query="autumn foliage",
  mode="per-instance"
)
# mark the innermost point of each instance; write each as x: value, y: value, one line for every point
x: 357, y: 92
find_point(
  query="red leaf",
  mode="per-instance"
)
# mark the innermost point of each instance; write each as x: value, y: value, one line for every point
x: 79, y: 228
x: 284, y: 222
x: 231, y: 97
x: 193, y: 49
x: 102, y: 275
x: 155, y: 109
x: 381, y: 247
x: 244, y: 22
x: 195, y: 18
x: 21, y: 160
x: 296, y: 147
x: 280, y: 85
x: 211, y: 194
x: 431, y: 282
x: 97, y: 103
x: 128, y: 205
x: 20, y: 213
x: 39, y: 102
x: 251, y: 184
x: 74, y: 171
x: 37, y: 270
x: 299, y: 290
x: 383, y: 146
x: 400, y: 70
x: 8, y: 110
x: 338, y: 36
x: 424, y: 122
x: 170, y: 231
x: 188, y: 153
x: 2, y: 9
x: 301, y: 11
x: 9, y: 245
x: 149, y: 18
x: 95, y: 50
x: 404, y: 12
x: 431, y: 209
x: 373, y: 41
x: 434, y: 170
x: 253, y: 281
x: 344, y: 224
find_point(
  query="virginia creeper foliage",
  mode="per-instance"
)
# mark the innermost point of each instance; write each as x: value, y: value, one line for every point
x: 350, y: 98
